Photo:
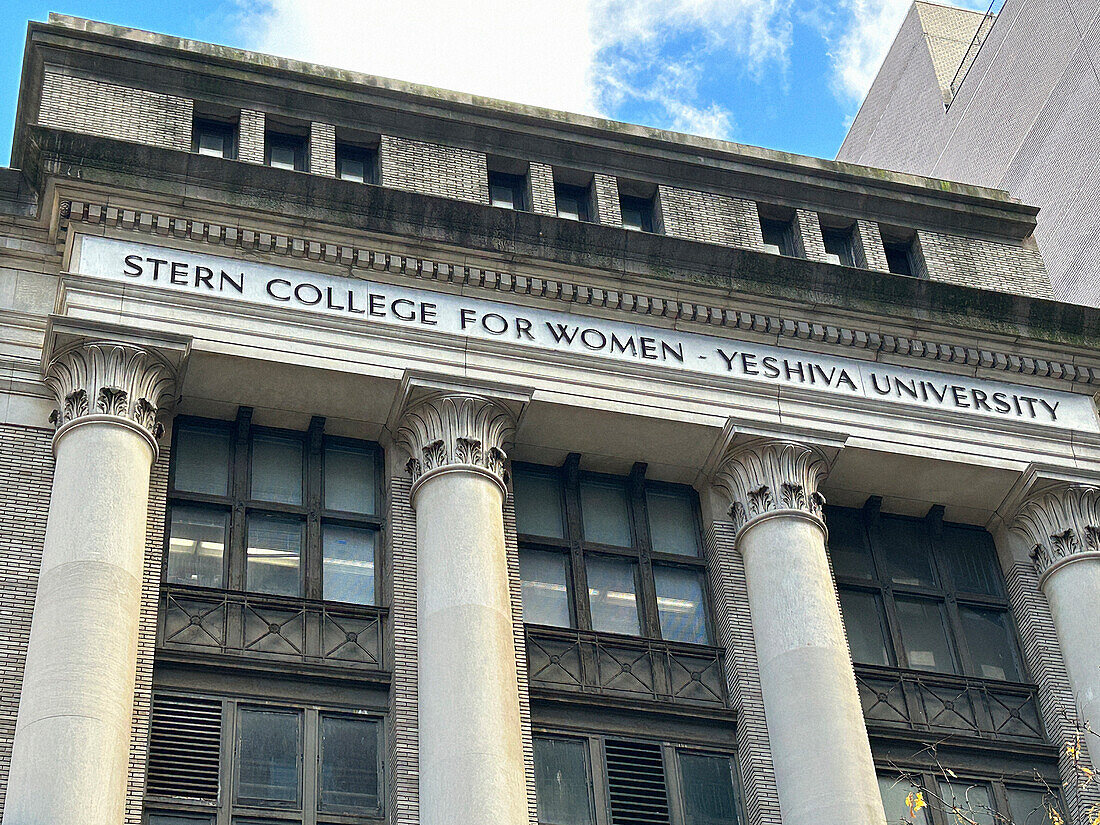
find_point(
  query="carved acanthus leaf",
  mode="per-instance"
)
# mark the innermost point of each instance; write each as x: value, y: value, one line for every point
x: 1060, y: 522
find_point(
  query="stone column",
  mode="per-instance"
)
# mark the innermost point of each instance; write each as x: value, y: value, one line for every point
x: 1062, y: 524
x: 471, y: 749
x: 822, y: 757
x: 72, y: 737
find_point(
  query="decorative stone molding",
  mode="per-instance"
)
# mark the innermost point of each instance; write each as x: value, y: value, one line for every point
x: 1062, y: 523
x: 453, y: 429
x: 106, y: 378
x: 555, y: 288
x: 766, y: 475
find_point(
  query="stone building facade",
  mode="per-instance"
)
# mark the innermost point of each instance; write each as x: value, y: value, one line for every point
x: 1010, y: 101
x: 378, y: 454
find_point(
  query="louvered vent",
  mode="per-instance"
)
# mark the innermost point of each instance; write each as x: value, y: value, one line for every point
x: 636, y: 783
x: 184, y: 746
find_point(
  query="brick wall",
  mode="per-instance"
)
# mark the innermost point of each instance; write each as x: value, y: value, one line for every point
x: 432, y: 169
x: 147, y: 639
x: 541, y: 182
x: 403, y: 759
x: 869, y: 251
x: 986, y: 264
x: 807, y: 236
x: 81, y: 104
x: 322, y: 149
x: 250, y: 136
x: 605, y: 192
x: 26, y: 475
x: 707, y: 217
x: 726, y: 573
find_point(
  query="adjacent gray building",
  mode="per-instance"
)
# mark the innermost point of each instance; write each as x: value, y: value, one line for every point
x: 1011, y: 102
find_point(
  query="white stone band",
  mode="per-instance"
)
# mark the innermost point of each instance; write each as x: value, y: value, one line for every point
x: 801, y: 515
x: 456, y: 468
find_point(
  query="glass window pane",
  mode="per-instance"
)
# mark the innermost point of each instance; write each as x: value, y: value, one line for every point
x: 971, y: 800
x: 708, y: 790
x: 611, y: 596
x: 353, y: 169
x: 972, y: 560
x: 544, y: 578
x: 538, y: 503
x: 1030, y: 806
x: 268, y: 755
x: 605, y: 509
x: 196, y: 546
x: 502, y: 195
x: 989, y: 639
x: 351, y: 479
x: 178, y: 819
x: 348, y: 574
x: 283, y: 156
x: 680, y: 605
x: 848, y: 549
x: 838, y: 246
x: 276, y: 469
x: 924, y: 636
x: 212, y: 143
x: 274, y: 556
x: 672, y: 526
x: 562, y: 785
x: 905, y: 551
x: 894, y: 790
x: 349, y: 763
x: 863, y: 622
x: 201, y: 461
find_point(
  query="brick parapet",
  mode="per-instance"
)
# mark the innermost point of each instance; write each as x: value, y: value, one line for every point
x: 807, y: 235
x: 709, y: 217
x: 870, y: 253
x: 970, y: 261
x: 322, y: 149
x: 433, y: 169
x: 250, y: 136
x: 605, y: 193
x: 540, y: 178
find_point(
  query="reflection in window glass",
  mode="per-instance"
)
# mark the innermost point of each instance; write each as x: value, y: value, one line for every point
x: 538, y: 504
x: 348, y: 566
x: 848, y: 548
x: 672, y: 522
x: 905, y: 549
x: 201, y: 460
x: 924, y: 635
x: 350, y: 480
x: 611, y: 596
x: 562, y: 783
x: 274, y: 558
x: 680, y: 605
x: 894, y: 790
x: 196, y: 546
x: 865, y: 627
x: 972, y: 560
x: 545, y: 592
x: 990, y: 643
x: 971, y: 801
x: 276, y: 469
x: 605, y: 511
x: 349, y: 763
x: 1029, y: 806
x: 268, y: 754
x: 707, y: 790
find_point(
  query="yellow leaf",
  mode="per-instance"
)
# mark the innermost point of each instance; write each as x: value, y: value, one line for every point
x: 915, y: 801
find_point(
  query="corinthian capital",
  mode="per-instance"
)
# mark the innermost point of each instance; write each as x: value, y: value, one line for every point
x: 766, y: 475
x: 1062, y: 523
x: 455, y: 429
x: 108, y: 378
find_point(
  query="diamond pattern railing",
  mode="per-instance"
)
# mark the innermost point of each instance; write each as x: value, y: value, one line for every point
x: 579, y: 661
x: 944, y: 704
x: 274, y: 628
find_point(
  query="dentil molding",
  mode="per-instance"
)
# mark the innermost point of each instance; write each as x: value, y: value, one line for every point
x: 766, y: 475
x: 1062, y: 523
x: 455, y: 429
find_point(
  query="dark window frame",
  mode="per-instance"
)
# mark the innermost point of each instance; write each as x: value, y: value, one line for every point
x: 239, y: 504
x: 517, y: 183
x: 943, y: 592
x: 297, y: 143
x: 898, y: 251
x: 582, y: 195
x: 785, y: 229
x: 577, y: 550
x: 596, y: 764
x: 645, y: 208
x: 228, y: 132
x: 846, y: 237
x: 998, y: 785
x: 307, y: 810
x: 367, y: 155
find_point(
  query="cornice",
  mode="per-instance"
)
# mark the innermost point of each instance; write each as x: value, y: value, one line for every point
x: 920, y: 352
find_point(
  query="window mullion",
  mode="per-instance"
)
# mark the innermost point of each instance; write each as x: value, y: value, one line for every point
x: 651, y: 623
x: 955, y: 634
x: 239, y: 494
x: 598, y: 777
x: 581, y: 610
x: 311, y: 554
x: 874, y: 542
x: 310, y: 761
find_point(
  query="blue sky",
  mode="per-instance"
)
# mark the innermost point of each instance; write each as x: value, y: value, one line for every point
x: 785, y: 74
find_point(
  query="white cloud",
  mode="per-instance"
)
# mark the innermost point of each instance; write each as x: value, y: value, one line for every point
x: 864, y: 39
x: 589, y: 56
